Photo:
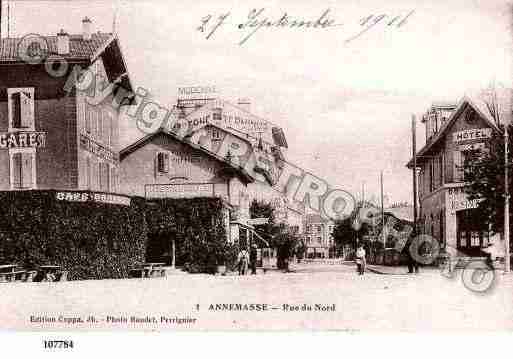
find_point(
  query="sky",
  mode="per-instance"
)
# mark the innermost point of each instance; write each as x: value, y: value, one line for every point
x: 345, y: 106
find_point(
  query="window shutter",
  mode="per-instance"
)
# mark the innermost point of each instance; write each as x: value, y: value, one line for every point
x: 26, y: 177
x: 27, y: 110
x: 16, y: 171
x: 163, y: 162
x: 87, y: 115
x: 16, y: 110
x: 104, y: 176
x: 88, y: 173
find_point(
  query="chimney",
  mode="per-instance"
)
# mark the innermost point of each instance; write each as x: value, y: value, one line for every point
x: 86, y: 28
x: 244, y: 103
x: 62, y: 43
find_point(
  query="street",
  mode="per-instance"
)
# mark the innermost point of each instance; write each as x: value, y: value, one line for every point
x: 336, y: 299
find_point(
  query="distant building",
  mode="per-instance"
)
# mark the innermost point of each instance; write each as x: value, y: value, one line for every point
x: 51, y: 138
x: 446, y: 213
x: 318, y: 236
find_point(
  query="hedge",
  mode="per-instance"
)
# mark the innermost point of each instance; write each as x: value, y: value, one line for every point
x: 90, y: 240
x: 94, y: 240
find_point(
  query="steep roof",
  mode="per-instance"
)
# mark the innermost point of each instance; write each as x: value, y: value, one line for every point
x: 141, y: 142
x: 79, y: 48
x: 465, y: 102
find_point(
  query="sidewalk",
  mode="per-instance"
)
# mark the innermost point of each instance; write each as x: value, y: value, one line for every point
x: 399, y: 270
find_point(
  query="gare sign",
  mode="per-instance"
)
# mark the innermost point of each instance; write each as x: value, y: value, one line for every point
x: 22, y: 139
x: 472, y: 134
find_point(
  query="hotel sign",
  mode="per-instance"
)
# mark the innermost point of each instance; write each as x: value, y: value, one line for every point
x: 93, y: 197
x: 95, y: 148
x: 22, y: 140
x: 472, y: 134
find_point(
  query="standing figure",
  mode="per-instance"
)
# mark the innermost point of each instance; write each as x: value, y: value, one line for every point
x: 242, y: 260
x: 360, y: 259
x: 253, y: 258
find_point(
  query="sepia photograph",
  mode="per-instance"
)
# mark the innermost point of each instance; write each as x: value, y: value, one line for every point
x: 255, y: 166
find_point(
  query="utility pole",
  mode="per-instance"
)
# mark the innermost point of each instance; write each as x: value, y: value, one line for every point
x: 506, y: 202
x: 382, y: 216
x: 414, y: 150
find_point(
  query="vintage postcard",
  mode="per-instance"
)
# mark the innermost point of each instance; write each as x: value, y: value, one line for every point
x: 255, y: 166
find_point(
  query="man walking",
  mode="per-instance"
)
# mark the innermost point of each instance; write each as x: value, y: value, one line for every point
x: 253, y: 258
x: 360, y: 259
x: 242, y: 260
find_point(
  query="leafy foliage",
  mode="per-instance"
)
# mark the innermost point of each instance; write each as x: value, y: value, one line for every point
x: 198, y: 227
x: 484, y: 171
x: 278, y: 235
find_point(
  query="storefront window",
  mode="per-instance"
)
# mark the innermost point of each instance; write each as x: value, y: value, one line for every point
x: 471, y: 232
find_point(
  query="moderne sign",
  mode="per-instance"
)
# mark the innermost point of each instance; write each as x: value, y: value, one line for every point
x: 195, y: 91
x: 93, y: 197
x: 472, y: 134
x: 22, y: 139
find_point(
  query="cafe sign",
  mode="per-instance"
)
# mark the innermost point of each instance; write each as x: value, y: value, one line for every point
x: 93, y: 197
x: 97, y: 149
x: 472, y: 134
x: 22, y: 140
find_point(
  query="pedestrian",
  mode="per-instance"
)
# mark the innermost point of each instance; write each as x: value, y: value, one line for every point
x: 242, y: 260
x: 253, y: 258
x: 360, y: 259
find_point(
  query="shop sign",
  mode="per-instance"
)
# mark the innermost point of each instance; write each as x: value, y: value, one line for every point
x: 22, y: 139
x: 98, y: 150
x: 472, y: 134
x: 93, y: 197
x: 472, y: 147
x: 458, y: 200
x: 182, y: 190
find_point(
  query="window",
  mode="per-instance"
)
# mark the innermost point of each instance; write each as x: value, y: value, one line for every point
x: 113, y: 179
x: 319, y: 228
x: 103, y: 176
x: 93, y: 118
x: 471, y: 231
x: 216, y: 134
x: 106, y: 119
x: 23, y: 168
x: 431, y: 176
x: 88, y: 119
x: 21, y: 109
x: 162, y: 162
x: 217, y: 114
x: 458, y: 166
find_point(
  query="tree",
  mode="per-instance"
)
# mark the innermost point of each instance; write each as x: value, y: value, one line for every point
x: 484, y: 171
x: 279, y: 235
x: 348, y: 230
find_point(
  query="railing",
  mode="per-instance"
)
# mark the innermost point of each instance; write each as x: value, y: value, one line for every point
x: 186, y: 190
